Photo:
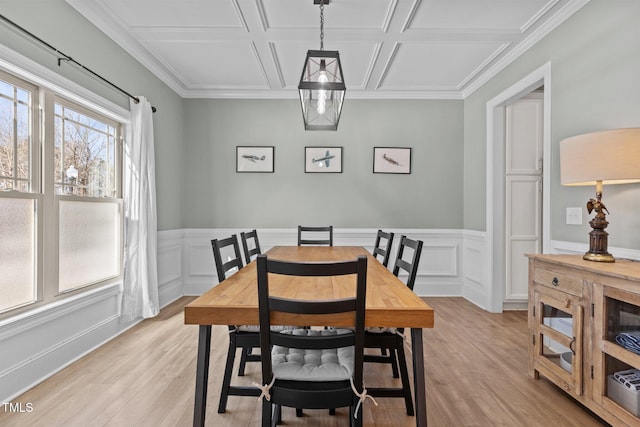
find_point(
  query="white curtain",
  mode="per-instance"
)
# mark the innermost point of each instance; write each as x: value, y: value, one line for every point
x: 140, y: 296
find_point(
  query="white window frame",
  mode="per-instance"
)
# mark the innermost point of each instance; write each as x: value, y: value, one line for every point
x: 54, y: 224
x: 52, y: 86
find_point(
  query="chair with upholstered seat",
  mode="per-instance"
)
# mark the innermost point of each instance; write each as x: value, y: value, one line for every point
x: 326, y: 234
x: 392, y: 339
x: 250, y: 245
x: 383, y: 250
x: 244, y: 337
x: 311, y: 368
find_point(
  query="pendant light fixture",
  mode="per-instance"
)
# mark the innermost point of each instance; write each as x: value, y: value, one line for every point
x: 321, y: 85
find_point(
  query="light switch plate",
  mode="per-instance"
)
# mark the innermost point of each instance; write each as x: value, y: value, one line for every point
x: 574, y: 216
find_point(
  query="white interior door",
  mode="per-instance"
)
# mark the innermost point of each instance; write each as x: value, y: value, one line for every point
x: 523, y: 199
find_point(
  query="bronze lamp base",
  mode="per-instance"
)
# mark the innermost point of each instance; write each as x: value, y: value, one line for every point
x: 598, y: 238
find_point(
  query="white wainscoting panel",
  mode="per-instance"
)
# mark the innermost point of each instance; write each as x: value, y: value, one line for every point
x: 476, y: 265
x: 170, y: 286
x: 439, y: 273
x: 36, y: 344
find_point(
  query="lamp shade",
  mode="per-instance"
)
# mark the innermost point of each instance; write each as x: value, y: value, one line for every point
x: 321, y: 90
x: 611, y: 156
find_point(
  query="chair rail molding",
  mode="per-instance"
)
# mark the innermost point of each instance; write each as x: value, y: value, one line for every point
x: 562, y: 247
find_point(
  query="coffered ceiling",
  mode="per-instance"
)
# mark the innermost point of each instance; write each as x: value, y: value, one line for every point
x: 415, y: 49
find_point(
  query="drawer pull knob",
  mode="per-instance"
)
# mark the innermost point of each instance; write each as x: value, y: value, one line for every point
x: 555, y: 281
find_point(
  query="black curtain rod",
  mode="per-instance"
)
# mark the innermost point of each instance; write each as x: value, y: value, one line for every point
x: 67, y: 58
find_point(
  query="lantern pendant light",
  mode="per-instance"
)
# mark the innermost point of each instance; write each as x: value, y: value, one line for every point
x: 321, y: 85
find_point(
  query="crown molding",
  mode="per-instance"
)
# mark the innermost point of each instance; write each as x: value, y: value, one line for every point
x: 567, y: 11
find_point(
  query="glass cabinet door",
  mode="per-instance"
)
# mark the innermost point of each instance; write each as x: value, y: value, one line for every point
x: 558, y: 340
x: 618, y: 361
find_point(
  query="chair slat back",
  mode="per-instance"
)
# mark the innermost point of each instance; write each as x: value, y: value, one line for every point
x: 222, y: 266
x: 409, y: 266
x: 384, y: 251
x: 250, y: 249
x: 269, y: 304
x: 326, y: 231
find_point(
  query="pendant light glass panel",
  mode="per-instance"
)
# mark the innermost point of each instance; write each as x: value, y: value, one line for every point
x: 321, y: 90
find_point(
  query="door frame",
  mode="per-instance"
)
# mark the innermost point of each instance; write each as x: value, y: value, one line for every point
x: 495, y: 188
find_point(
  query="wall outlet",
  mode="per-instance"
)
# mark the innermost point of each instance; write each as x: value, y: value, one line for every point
x: 574, y: 216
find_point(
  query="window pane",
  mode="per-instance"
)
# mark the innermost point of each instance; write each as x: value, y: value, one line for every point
x: 17, y: 252
x: 22, y: 142
x: 6, y: 89
x: 85, y: 161
x: 89, y: 243
x: 7, y: 138
x: 15, y: 138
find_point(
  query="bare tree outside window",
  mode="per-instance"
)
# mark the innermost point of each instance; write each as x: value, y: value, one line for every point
x: 15, y: 138
x: 85, y: 148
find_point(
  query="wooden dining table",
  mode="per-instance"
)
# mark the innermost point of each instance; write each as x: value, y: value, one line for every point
x: 389, y: 303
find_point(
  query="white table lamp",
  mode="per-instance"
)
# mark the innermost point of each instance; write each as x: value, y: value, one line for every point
x: 600, y: 158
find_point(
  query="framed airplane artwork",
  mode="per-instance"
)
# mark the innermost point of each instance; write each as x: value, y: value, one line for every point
x: 391, y: 160
x: 323, y: 159
x: 254, y: 159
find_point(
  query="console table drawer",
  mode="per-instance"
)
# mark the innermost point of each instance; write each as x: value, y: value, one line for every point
x: 559, y: 281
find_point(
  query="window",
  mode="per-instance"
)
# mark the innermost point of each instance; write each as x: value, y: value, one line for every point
x: 86, y: 186
x: 60, y: 196
x: 19, y: 201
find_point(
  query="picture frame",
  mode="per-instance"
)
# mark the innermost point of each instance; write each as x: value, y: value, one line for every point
x: 323, y: 159
x: 395, y: 160
x: 256, y: 158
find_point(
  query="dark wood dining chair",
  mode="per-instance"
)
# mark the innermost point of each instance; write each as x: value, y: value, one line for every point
x: 244, y: 337
x: 326, y: 232
x: 392, y: 339
x: 334, y: 380
x: 250, y: 245
x: 382, y: 248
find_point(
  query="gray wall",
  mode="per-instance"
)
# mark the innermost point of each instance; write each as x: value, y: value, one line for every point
x: 61, y: 26
x: 216, y: 196
x: 595, y: 66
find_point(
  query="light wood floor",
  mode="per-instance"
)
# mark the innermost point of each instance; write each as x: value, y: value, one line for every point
x: 476, y: 370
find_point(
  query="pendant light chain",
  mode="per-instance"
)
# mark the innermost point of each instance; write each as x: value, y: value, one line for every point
x: 321, y: 24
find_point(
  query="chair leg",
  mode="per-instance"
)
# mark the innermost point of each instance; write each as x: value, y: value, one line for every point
x: 266, y: 413
x: 298, y: 412
x: 243, y: 360
x: 394, y: 362
x: 402, y: 361
x: 355, y: 419
x: 277, y: 415
x: 226, y: 379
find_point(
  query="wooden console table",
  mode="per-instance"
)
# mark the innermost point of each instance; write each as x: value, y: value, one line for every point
x: 576, y: 310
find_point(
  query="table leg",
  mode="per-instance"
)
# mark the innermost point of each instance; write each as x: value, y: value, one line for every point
x: 418, y: 377
x: 202, y: 375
